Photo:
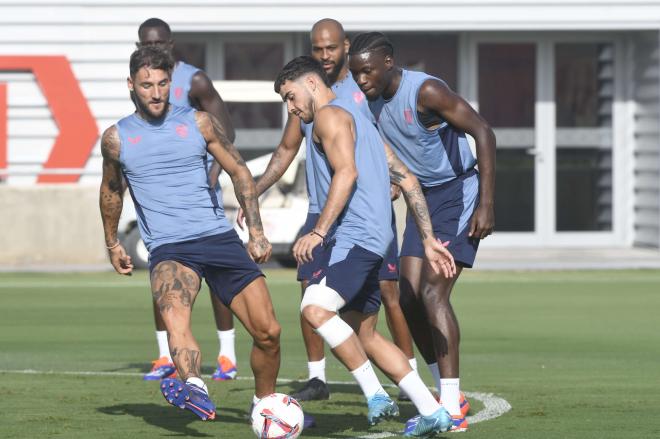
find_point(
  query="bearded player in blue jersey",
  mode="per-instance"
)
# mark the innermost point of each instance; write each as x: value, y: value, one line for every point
x: 160, y: 151
x: 329, y: 46
x: 191, y: 87
x: 425, y: 124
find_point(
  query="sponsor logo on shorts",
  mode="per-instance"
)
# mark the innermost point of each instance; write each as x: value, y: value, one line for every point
x: 135, y: 140
x: 316, y: 274
x: 391, y: 268
x: 182, y: 130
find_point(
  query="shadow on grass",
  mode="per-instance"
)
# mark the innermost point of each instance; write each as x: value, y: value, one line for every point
x: 159, y: 416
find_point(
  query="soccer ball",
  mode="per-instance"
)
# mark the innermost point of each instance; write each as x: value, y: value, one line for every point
x: 277, y: 416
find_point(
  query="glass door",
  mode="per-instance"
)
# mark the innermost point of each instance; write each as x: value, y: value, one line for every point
x: 554, y: 103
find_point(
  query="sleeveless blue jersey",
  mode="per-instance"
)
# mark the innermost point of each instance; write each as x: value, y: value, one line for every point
x: 164, y: 165
x: 180, y: 86
x: 345, y: 89
x: 434, y: 156
x: 367, y: 218
x: 179, y: 95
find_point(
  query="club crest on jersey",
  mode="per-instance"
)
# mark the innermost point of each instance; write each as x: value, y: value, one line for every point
x: 135, y: 140
x: 182, y: 130
x: 358, y: 97
x: 178, y: 92
x: 408, y: 116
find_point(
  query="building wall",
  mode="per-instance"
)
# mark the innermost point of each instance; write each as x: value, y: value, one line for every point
x: 646, y: 158
x: 97, y: 38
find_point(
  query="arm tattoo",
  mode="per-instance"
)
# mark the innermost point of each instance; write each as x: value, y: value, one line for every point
x: 246, y: 195
x: 414, y: 196
x: 417, y: 205
x: 273, y: 172
x: 112, y: 187
x: 219, y: 132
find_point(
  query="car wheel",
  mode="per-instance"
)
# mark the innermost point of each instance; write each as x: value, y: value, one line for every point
x: 136, y: 249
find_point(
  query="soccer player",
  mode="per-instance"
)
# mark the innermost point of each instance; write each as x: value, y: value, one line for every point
x: 330, y: 47
x: 425, y: 123
x: 350, y: 165
x: 191, y: 87
x: 161, y: 153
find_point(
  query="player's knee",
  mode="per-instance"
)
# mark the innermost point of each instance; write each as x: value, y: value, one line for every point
x: 335, y: 331
x: 268, y: 338
x: 318, y: 301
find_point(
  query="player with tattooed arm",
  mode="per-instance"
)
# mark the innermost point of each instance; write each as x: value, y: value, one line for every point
x: 160, y: 151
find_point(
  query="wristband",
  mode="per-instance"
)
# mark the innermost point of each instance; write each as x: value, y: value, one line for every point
x: 115, y: 245
x: 314, y: 232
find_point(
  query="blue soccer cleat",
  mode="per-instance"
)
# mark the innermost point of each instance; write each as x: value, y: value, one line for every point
x: 381, y: 407
x: 226, y: 370
x: 161, y: 368
x: 427, y: 426
x: 188, y: 397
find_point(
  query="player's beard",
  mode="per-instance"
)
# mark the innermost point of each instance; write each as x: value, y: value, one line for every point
x: 334, y: 73
x: 144, y: 108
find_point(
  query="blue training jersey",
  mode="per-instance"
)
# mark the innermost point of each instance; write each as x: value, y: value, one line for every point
x: 367, y: 218
x: 435, y: 156
x: 165, y: 166
x: 180, y: 96
x: 346, y: 89
x: 180, y: 86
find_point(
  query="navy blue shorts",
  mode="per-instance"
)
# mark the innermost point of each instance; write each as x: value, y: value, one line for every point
x: 352, y: 272
x: 220, y: 259
x: 451, y: 206
x: 389, y: 270
x: 305, y: 270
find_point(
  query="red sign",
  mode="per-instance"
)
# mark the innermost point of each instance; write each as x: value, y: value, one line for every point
x: 78, y: 131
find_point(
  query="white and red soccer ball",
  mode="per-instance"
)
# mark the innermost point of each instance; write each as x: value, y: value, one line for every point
x: 277, y: 416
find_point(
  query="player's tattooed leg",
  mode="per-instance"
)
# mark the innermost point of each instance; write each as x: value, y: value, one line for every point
x: 171, y: 284
x: 187, y: 361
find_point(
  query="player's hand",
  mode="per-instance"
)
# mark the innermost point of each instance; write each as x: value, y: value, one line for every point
x: 483, y: 221
x: 259, y: 248
x: 439, y: 258
x: 395, y: 191
x: 120, y: 260
x: 302, y: 249
x: 240, y: 218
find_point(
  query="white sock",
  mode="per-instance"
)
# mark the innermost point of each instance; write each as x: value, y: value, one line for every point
x: 226, y: 339
x: 198, y: 382
x: 163, y: 346
x: 450, y: 391
x: 316, y: 369
x: 368, y: 381
x: 419, y: 394
x: 413, y: 363
x: 435, y: 371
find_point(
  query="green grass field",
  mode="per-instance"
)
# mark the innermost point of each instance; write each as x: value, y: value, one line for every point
x: 576, y: 354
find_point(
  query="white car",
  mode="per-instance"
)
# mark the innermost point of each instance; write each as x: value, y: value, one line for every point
x: 283, y: 211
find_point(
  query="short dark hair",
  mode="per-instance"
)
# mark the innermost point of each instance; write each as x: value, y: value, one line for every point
x: 151, y: 56
x: 297, y: 67
x: 157, y: 23
x: 371, y: 42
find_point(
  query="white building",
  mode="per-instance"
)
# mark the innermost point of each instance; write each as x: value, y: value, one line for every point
x: 572, y: 89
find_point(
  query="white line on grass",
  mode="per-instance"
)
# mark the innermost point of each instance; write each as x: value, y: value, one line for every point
x: 494, y: 406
